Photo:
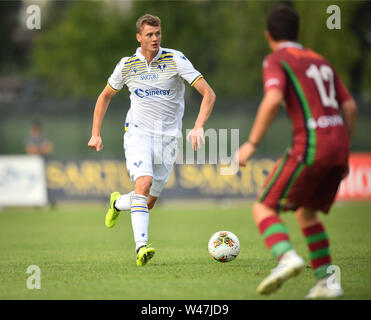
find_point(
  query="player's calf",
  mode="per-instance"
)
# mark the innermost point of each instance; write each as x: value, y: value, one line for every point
x: 320, y: 258
x: 139, y: 219
x: 276, y: 238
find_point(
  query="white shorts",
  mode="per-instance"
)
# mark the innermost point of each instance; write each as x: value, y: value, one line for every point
x: 150, y: 156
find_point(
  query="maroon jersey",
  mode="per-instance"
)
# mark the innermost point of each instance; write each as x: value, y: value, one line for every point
x: 313, y: 94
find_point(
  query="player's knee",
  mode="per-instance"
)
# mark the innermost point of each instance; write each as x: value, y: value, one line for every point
x: 143, y: 185
x: 260, y: 211
x: 306, y: 216
x: 257, y: 209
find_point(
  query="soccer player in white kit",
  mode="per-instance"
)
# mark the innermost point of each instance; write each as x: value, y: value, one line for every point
x: 155, y: 78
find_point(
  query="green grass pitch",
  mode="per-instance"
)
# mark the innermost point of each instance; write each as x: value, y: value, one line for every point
x: 80, y: 258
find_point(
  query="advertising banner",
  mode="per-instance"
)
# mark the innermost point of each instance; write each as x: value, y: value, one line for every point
x: 22, y: 181
x: 96, y: 179
x: 92, y: 179
x: 357, y: 185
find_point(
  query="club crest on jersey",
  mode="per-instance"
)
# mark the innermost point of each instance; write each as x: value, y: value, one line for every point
x: 162, y: 67
x: 137, y: 164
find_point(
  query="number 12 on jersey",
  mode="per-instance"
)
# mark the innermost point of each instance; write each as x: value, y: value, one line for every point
x: 320, y: 75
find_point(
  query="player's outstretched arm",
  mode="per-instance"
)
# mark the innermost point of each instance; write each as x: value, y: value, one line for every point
x: 266, y: 113
x: 197, y: 133
x: 349, y: 111
x: 101, y: 106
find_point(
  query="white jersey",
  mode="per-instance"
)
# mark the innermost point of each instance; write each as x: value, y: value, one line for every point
x: 157, y: 90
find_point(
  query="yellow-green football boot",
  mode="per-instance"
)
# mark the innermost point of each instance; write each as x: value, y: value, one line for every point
x: 144, y: 254
x: 112, y: 214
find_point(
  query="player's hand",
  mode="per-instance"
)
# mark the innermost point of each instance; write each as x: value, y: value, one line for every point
x: 95, y: 143
x: 244, y: 153
x: 195, y: 136
x: 346, y: 172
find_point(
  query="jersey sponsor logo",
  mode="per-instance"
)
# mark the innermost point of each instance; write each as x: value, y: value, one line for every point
x: 148, y: 76
x: 272, y: 82
x: 151, y: 92
x: 325, y: 122
x: 139, y: 93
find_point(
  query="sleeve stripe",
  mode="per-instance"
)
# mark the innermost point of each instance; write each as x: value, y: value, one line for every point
x: 130, y: 60
x: 195, y: 80
x: 112, y: 88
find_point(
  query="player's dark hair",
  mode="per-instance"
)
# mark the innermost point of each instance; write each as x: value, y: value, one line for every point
x: 149, y: 19
x: 283, y: 23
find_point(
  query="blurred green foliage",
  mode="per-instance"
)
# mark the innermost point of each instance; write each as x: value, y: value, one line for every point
x: 80, y: 43
x: 223, y: 39
x: 77, y: 53
x: 8, y: 20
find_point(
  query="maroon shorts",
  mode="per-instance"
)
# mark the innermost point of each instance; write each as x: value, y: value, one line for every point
x: 293, y: 184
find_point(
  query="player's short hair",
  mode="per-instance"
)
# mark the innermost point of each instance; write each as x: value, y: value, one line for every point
x: 283, y: 23
x: 149, y: 19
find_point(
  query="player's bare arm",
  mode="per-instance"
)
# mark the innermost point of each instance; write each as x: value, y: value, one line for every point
x: 349, y: 111
x: 267, y: 111
x: 197, y: 133
x: 101, y: 106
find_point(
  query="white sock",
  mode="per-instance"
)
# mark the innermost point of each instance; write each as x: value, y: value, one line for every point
x: 123, y: 202
x: 139, y: 219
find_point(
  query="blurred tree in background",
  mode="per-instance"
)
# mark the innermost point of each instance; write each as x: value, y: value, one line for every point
x: 220, y: 38
x: 77, y: 54
x: 9, y: 22
x: 55, y: 74
x: 341, y: 47
x: 223, y: 39
x: 361, y: 69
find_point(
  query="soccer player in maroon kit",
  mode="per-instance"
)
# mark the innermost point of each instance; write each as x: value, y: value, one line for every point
x: 307, y: 177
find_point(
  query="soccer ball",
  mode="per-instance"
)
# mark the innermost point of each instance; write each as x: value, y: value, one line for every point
x: 224, y: 246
